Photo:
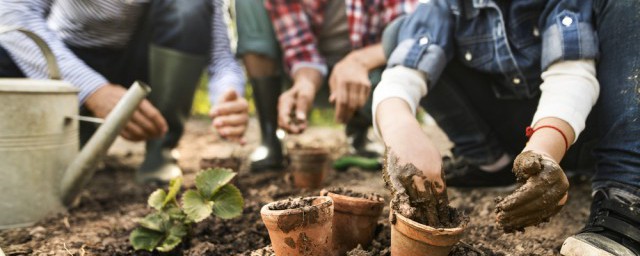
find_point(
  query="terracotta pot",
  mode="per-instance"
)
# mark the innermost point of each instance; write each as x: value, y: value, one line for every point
x: 301, y: 231
x: 412, y: 238
x: 354, y: 221
x: 308, y: 166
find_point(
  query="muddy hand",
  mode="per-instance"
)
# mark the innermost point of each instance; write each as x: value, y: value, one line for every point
x: 543, y: 194
x: 415, y: 196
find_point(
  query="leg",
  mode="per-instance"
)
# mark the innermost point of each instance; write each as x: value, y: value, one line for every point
x: 178, y: 39
x: 258, y: 46
x: 613, y: 226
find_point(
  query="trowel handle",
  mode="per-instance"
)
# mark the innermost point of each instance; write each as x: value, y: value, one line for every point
x: 52, y: 64
x: 82, y: 168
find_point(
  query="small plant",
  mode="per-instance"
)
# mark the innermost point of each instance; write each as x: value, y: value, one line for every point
x: 171, y: 221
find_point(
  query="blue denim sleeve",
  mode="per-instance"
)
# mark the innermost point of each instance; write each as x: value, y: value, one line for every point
x: 568, y: 31
x: 425, y: 39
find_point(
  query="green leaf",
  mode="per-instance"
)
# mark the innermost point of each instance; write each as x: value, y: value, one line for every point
x: 228, y: 202
x: 195, y: 206
x: 210, y: 181
x: 174, y: 237
x: 153, y: 221
x: 175, y: 213
x: 145, y: 239
x: 174, y: 188
x: 157, y: 198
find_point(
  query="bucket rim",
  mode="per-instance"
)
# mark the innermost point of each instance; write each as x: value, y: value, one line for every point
x: 25, y: 85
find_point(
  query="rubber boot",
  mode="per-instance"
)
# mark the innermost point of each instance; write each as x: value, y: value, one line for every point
x: 360, y: 144
x: 267, y: 156
x: 173, y: 76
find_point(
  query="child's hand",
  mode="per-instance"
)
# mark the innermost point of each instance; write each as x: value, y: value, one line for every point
x: 543, y: 194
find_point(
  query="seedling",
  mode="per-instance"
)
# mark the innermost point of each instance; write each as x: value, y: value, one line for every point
x: 166, y: 227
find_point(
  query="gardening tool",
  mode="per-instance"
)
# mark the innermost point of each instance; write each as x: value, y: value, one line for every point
x: 41, y: 169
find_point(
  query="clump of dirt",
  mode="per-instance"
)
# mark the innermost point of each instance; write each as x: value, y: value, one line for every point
x: 232, y: 163
x: 417, y: 198
x: 291, y: 203
x: 348, y: 192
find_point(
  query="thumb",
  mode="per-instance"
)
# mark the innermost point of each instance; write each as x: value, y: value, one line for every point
x: 229, y: 95
x: 527, y: 164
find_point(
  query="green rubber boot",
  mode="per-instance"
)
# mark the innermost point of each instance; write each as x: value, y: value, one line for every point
x: 173, y: 76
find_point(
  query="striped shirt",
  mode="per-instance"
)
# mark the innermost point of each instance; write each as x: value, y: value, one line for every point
x: 99, y: 24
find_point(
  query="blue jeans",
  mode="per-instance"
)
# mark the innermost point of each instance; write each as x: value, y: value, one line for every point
x: 181, y: 25
x: 483, y: 127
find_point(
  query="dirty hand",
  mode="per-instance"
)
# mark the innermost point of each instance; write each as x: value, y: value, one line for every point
x: 350, y: 88
x: 543, y: 194
x: 145, y: 123
x: 293, y: 106
x: 230, y: 116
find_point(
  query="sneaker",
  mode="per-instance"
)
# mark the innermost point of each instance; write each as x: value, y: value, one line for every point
x: 613, y: 227
x: 462, y: 174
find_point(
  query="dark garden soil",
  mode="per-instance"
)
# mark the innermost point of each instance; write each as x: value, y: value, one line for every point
x: 109, y: 207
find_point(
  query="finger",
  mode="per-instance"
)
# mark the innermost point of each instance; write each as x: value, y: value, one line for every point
x: 521, y: 196
x: 229, y: 95
x: 135, y: 133
x: 285, y: 106
x: 341, y: 105
x: 232, y: 120
x: 541, y: 204
x: 238, y: 106
x: 147, y: 125
x: 527, y: 164
x: 153, y: 114
x: 303, y: 103
x: 232, y: 131
x: 354, y: 100
x: 532, y: 219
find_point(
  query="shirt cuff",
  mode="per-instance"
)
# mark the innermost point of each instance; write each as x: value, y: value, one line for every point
x: 218, y: 86
x: 86, y: 82
x: 421, y: 55
x: 568, y: 38
x: 569, y: 92
x: 321, y: 67
x: 399, y: 82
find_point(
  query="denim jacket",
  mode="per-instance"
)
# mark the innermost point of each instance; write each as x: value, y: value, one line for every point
x: 511, y: 40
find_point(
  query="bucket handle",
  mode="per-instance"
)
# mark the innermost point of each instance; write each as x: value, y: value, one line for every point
x: 52, y: 64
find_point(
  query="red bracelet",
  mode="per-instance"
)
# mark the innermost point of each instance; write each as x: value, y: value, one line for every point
x: 530, y: 131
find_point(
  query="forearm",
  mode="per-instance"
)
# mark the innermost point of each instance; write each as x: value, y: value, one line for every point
x: 393, y: 115
x: 550, y: 141
x: 370, y: 57
x: 308, y: 77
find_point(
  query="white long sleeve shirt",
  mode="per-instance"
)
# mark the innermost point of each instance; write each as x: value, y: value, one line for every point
x: 95, y: 24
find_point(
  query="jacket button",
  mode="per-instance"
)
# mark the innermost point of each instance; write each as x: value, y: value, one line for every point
x: 536, y: 32
x: 567, y: 21
x: 516, y: 81
x: 423, y: 40
x: 468, y: 56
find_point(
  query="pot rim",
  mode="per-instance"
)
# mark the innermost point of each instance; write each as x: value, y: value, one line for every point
x: 309, y: 151
x: 363, y: 206
x: 418, y: 226
x: 265, y: 211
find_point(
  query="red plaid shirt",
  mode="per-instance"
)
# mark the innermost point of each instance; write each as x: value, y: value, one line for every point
x: 296, y: 23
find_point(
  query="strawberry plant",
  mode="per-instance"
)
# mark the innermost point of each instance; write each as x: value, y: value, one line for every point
x: 171, y: 221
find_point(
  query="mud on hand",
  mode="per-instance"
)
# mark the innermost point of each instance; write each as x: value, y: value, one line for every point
x: 414, y: 196
x: 542, y: 195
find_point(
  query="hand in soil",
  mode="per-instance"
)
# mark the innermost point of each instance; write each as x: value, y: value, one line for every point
x: 414, y: 195
x: 293, y: 106
x: 231, y: 116
x: 543, y: 194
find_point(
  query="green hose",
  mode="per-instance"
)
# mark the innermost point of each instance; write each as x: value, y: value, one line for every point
x: 345, y: 162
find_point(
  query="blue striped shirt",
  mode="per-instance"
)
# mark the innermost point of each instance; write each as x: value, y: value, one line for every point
x: 95, y: 24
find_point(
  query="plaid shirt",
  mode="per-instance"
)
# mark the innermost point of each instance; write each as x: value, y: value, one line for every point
x: 297, y: 22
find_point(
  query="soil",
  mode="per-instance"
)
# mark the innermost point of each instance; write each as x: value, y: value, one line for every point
x: 348, y: 192
x: 291, y: 203
x: 232, y: 163
x: 417, y: 198
x: 111, y: 203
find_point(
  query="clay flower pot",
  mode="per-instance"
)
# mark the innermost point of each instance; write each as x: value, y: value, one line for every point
x: 308, y: 166
x: 412, y: 238
x: 301, y: 226
x: 355, y: 217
